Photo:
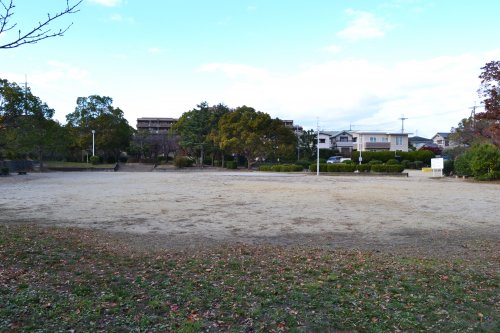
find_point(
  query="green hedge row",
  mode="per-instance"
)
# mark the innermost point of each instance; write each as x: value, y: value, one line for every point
x: 341, y: 167
x: 231, y: 164
x: 282, y: 168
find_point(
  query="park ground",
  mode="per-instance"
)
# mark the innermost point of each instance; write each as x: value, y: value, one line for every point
x: 247, y: 251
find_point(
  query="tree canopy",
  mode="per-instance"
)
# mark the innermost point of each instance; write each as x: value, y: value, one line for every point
x: 112, y: 131
x: 490, y: 90
x: 254, y: 135
x: 26, y: 125
x: 38, y: 31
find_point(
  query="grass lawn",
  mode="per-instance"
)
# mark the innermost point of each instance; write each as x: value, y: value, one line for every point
x: 69, y: 279
x: 58, y: 164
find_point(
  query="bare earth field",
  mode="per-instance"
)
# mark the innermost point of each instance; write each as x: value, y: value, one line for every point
x: 199, y: 209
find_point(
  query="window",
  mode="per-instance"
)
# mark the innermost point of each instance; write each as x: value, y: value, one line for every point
x: 373, y: 139
x: 385, y: 139
x: 344, y: 139
x: 321, y: 140
x: 399, y: 140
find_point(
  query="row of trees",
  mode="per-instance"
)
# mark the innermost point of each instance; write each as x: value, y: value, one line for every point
x: 28, y: 130
x: 217, y: 131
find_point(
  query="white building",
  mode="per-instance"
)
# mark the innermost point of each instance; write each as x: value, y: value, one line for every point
x: 380, y: 141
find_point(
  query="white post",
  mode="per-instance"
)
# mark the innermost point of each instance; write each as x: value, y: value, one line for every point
x: 317, y: 149
x: 93, y: 142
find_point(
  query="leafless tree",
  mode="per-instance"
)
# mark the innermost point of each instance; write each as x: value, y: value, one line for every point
x: 39, y: 32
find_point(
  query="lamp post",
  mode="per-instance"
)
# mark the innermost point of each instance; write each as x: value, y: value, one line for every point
x: 93, y: 142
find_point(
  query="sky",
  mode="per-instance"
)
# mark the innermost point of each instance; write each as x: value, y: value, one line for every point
x: 343, y: 64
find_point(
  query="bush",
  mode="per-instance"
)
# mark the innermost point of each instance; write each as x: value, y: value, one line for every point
x: 419, y: 165
x: 341, y: 167
x: 481, y: 161
x: 123, y: 159
x: 387, y: 168
x: 448, y: 167
x: 304, y: 163
x: 363, y: 167
x: 462, y: 166
x: 94, y: 160
x: 231, y: 165
x: 405, y: 164
x: 4, y: 171
x: 183, y: 162
x: 286, y: 168
x: 323, y: 167
x: 392, y: 161
x: 161, y: 159
x: 375, y: 162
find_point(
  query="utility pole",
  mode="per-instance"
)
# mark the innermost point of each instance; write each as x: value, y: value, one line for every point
x: 473, y: 114
x: 402, y: 123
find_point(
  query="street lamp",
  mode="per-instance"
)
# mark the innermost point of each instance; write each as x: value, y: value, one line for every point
x: 93, y: 142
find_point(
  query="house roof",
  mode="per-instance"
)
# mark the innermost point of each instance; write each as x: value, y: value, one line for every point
x: 442, y: 134
x: 419, y: 139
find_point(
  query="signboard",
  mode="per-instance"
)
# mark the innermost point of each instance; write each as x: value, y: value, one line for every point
x: 437, y: 163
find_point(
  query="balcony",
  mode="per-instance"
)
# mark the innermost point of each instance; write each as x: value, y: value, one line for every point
x: 377, y: 145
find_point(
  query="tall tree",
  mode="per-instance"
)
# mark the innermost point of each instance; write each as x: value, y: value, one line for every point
x: 490, y: 90
x: 307, y: 144
x: 196, y: 128
x: 112, y: 131
x: 37, y: 32
x: 253, y: 134
x: 26, y: 125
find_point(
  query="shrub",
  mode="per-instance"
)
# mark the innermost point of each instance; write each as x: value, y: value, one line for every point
x: 363, y: 167
x: 375, y: 162
x: 4, y: 171
x: 161, y: 159
x: 231, y: 165
x: 183, y: 162
x: 448, y: 167
x: 348, y: 162
x: 481, y: 161
x: 304, y: 163
x: 323, y: 167
x: 387, y: 168
x: 123, y: 159
x: 405, y: 164
x: 341, y: 167
x: 392, y: 161
x: 265, y: 168
x: 419, y: 165
x: 94, y: 160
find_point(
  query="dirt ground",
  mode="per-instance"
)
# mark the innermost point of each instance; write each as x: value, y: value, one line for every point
x: 445, y: 216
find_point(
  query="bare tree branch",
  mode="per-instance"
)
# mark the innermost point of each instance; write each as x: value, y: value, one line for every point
x: 36, y: 34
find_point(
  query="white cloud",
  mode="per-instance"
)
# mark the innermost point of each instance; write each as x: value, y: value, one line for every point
x: 434, y: 94
x: 364, y: 25
x: 107, y: 3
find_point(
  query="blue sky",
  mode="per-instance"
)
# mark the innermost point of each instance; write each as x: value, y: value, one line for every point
x: 353, y: 63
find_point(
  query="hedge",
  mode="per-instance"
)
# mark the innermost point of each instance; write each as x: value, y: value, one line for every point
x: 231, y: 164
x: 341, y: 167
x: 387, y: 168
x: 281, y: 168
x: 384, y: 156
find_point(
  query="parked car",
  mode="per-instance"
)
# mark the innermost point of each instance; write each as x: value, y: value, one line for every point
x: 333, y: 159
x: 343, y: 159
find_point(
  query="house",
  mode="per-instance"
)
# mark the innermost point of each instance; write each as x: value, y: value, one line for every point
x: 342, y: 141
x: 324, y: 140
x: 380, y: 141
x: 155, y: 125
x: 418, y: 141
x: 297, y: 129
x: 442, y: 140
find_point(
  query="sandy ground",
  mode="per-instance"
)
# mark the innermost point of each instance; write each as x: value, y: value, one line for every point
x: 187, y: 209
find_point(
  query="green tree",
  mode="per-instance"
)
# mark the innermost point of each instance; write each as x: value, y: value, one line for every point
x: 196, y: 129
x: 26, y: 125
x: 307, y: 144
x: 481, y: 161
x: 112, y: 131
x: 253, y: 134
